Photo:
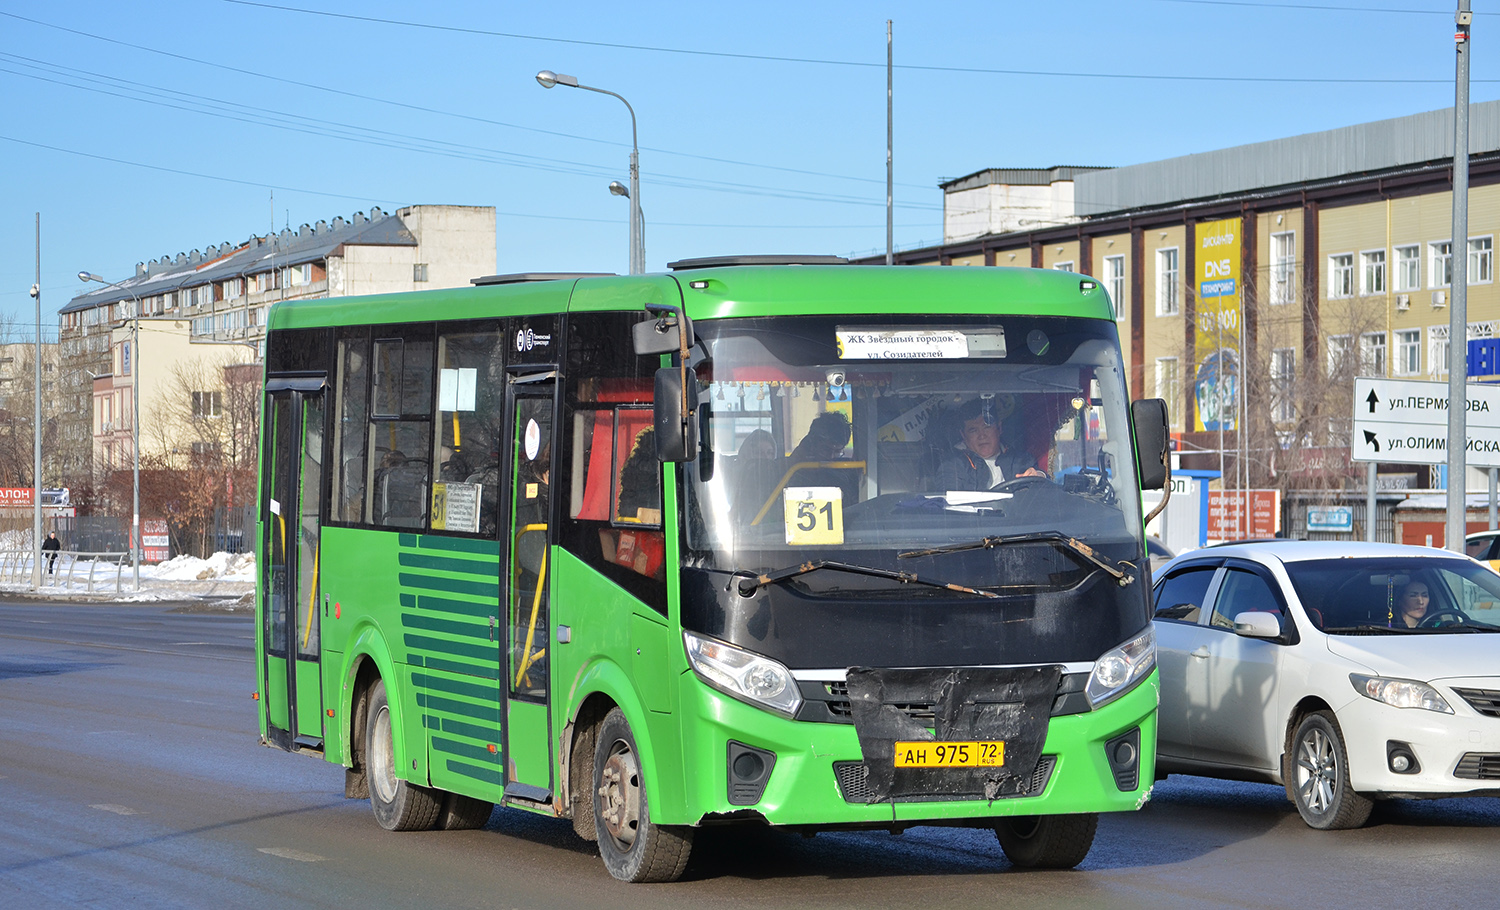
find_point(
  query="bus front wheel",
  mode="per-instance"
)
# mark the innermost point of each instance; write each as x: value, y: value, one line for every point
x: 634, y: 848
x: 399, y: 805
x: 1047, y: 841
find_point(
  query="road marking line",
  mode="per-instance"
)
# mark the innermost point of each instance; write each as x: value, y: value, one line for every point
x: 175, y: 643
x: 118, y: 810
x: 300, y: 856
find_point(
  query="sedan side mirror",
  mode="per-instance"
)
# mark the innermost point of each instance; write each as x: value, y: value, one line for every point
x: 1257, y: 624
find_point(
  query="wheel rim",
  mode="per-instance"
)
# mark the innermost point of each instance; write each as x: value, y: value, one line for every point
x: 1317, y: 771
x: 382, y: 757
x: 620, y: 794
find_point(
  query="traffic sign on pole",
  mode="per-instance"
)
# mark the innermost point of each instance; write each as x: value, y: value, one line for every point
x: 1405, y: 421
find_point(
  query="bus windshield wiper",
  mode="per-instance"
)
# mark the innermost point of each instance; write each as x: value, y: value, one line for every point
x: 1056, y: 538
x: 748, y: 586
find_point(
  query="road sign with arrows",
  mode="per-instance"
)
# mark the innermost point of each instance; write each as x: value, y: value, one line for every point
x: 1405, y: 421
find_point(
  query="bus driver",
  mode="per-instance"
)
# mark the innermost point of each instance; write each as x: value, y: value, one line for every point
x: 981, y: 460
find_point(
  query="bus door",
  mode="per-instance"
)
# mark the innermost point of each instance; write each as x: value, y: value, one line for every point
x: 530, y: 407
x: 293, y: 696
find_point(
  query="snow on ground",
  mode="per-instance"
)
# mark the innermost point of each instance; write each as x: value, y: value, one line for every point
x: 222, y: 575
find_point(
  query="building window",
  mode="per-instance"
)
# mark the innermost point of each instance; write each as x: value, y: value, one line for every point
x: 1372, y: 273
x: 1283, y: 366
x: 1057, y: 266
x: 232, y: 289
x: 1167, y: 382
x: 1408, y: 268
x: 1372, y: 354
x: 1341, y: 275
x: 419, y: 272
x: 1283, y: 266
x: 1338, y: 355
x: 1114, y: 283
x: 1481, y: 260
x: 1408, y: 352
x: 1437, y: 350
x: 1166, y: 282
x: 207, y: 404
x: 1440, y: 275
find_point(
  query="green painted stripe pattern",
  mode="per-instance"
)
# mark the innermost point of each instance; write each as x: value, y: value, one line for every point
x: 450, y: 617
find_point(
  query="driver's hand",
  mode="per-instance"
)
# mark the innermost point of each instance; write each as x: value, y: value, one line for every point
x: 1032, y: 472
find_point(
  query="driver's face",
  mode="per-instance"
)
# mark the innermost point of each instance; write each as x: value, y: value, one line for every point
x: 981, y: 438
x: 1414, y: 599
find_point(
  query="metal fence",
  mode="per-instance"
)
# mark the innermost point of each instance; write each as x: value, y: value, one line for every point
x: 67, y: 570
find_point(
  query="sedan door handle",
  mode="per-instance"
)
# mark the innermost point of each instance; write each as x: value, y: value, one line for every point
x: 1201, y: 652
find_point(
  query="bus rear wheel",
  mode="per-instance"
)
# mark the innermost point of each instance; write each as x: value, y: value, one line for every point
x: 399, y: 805
x: 463, y: 813
x: 634, y: 848
x: 1047, y: 841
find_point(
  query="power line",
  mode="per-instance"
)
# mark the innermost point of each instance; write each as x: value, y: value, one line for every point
x: 1319, y: 7
x: 438, y: 111
x: 368, y: 136
x: 403, y: 23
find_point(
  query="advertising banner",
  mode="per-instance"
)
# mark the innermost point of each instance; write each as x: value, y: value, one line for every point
x: 1216, y: 375
x: 1243, y: 514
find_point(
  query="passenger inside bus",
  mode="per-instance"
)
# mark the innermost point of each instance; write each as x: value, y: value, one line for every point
x: 755, y: 470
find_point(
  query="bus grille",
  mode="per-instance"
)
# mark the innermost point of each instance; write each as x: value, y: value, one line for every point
x: 1485, y: 701
x: 853, y: 785
x: 1478, y: 766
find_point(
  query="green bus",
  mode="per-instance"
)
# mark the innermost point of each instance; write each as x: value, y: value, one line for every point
x: 760, y: 540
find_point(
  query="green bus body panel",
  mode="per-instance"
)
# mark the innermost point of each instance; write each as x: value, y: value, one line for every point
x: 309, y: 699
x: 275, y: 700
x: 529, y: 760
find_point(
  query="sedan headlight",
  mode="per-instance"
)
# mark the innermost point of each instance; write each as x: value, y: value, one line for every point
x: 1400, y: 693
x: 1122, y: 667
x: 743, y: 674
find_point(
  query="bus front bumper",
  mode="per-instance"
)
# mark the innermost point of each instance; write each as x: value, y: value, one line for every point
x: 814, y: 774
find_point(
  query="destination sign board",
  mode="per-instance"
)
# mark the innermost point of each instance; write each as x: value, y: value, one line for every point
x: 1406, y: 422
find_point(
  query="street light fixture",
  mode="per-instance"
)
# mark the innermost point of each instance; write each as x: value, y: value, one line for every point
x: 135, y: 423
x: 547, y: 79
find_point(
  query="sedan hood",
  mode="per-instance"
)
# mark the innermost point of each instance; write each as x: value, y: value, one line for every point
x: 1423, y: 657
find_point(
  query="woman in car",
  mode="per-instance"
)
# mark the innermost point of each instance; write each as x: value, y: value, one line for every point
x: 1411, y: 606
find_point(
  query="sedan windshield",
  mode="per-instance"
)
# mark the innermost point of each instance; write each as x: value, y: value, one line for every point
x: 1398, y: 596
x: 857, y: 440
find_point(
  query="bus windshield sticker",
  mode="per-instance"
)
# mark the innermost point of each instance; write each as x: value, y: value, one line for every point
x: 533, y: 439
x: 814, y: 516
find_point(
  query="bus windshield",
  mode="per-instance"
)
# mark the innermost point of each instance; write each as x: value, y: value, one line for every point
x: 877, y: 440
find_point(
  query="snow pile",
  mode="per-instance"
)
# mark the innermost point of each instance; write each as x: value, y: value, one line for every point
x: 227, y: 566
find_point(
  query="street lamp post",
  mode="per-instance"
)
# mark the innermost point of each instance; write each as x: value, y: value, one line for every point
x: 616, y: 188
x: 135, y: 424
x: 547, y: 79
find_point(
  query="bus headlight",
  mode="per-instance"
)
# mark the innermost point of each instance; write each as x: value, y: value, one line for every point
x: 1122, y: 667
x: 743, y: 674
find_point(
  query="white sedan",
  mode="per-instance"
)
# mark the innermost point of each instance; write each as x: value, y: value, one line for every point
x: 1346, y: 672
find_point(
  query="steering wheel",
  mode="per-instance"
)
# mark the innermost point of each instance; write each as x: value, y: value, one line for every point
x: 1431, y: 620
x: 1016, y: 484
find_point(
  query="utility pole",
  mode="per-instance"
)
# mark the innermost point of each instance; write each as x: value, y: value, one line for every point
x: 1458, y: 313
x: 36, y: 426
x: 890, y: 134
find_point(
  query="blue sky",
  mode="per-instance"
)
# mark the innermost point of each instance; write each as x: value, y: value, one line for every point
x: 139, y: 130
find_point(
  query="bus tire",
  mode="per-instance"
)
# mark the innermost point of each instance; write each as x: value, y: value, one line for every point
x: 463, y: 813
x: 634, y: 848
x: 1047, y: 841
x: 399, y: 805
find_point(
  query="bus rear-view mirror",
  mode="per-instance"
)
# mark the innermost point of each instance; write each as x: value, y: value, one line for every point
x: 1150, y: 418
x: 675, y: 411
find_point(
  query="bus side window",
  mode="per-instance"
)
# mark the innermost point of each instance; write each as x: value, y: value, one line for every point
x: 609, y: 465
x: 466, y: 457
x: 399, y: 449
x: 351, y: 413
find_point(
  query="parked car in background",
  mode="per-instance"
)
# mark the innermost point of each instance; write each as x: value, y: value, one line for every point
x: 1346, y: 672
x: 1485, y: 547
x: 1159, y: 553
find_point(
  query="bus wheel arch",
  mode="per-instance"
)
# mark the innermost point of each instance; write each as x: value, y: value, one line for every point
x: 633, y: 847
x: 581, y: 736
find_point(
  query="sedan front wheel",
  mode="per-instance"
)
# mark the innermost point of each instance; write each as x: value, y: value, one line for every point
x: 1320, y: 776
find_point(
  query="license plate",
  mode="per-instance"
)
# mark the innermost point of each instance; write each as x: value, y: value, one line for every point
x: 950, y: 755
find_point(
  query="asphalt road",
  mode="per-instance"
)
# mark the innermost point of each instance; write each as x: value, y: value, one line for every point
x: 130, y: 776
